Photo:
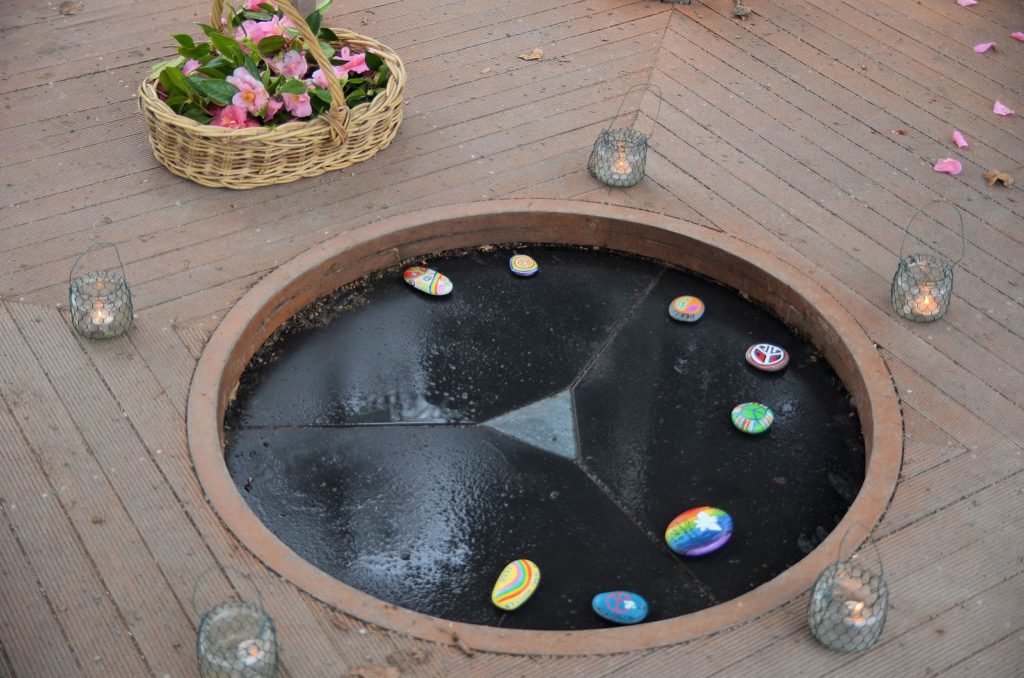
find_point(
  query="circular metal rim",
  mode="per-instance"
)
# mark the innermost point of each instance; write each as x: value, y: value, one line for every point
x: 790, y: 294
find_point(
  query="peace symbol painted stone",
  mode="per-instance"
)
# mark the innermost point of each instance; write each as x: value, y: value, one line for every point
x: 767, y: 357
x: 523, y: 265
x: 686, y: 309
x: 428, y: 280
x: 515, y: 584
x: 620, y: 607
x: 698, y: 531
x: 752, y: 417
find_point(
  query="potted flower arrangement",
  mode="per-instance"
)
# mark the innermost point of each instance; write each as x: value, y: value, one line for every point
x: 271, y: 96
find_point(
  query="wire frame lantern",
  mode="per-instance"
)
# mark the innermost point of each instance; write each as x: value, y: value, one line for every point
x: 100, y: 300
x: 619, y: 156
x: 848, y: 603
x: 923, y: 284
x: 236, y: 640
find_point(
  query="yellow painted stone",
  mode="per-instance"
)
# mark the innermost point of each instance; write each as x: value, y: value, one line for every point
x: 515, y: 584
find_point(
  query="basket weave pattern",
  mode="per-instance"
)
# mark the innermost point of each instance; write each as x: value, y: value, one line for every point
x: 262, y: 156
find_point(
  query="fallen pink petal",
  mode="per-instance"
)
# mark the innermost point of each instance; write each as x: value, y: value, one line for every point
x: 966, y: 3
x: 959, y: 140
x: 949, y: 165
x: 984, y: 47
x: 1001, y: 109
x: 1017, y: 35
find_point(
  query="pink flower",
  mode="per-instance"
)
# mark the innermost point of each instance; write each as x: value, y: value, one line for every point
x: 1017, y: 35
x: 254, y: 5
x: 959, y: 140
x: 984, y: 47
x: 356, y: 62
x: 251, y: 95
x: 257, y: 30
x: 190, y: 65
x: 1001, y: 109
x: 298, y: 105
x: 949, y: 166
x: 233, y: 117
x: 320, y: 80
x: 273, y: 106
x: 293, y: 65
x: 966, y: 3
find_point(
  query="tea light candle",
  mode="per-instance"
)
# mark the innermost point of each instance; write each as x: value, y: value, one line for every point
x: 621, y: 164
x: 250, y: 652
x: 925, y: 304
x: 855, y: 614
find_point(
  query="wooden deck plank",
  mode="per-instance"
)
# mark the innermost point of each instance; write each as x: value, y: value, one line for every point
x: 1001, y: 658
x: 35, y: 643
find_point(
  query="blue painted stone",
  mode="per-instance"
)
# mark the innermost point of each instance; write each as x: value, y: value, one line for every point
x: 620, y: 607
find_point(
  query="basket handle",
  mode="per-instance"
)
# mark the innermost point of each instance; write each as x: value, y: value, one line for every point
x: 337, y: 117
x: 96, y: 246
x: 657, y: 112
x: 921, y: 210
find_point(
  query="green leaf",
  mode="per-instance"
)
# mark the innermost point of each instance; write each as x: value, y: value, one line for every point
x: 321, y: 94
x: 314, y: 20
x: 184, y: 40
x: 327, y: 34
x: 218, y: 91
x: 176, y: 62
x: 266, y: 6
x: 293, y: 86
x: 327, y: 49
x: 374, y: 61
x: 197, y: 52
x: 228, y: 48
x: 270, y: 45
x: 323, y: 6
x: 209, y: 30
x: 355, y: 97
x: 197, y: 114
x: 174, y: 82
x: 258, y: 16
x: 217, y: 67
x: 176, y: 100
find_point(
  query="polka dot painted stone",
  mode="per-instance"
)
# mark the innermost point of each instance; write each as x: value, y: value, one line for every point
x: 752, y: 418
x: 686, y: 309
x: 698, y: 531
x: 620, y: 607
x: 515, y: 584
x: 523, y: 265
x: 428, y: 280
x: 767, y: 357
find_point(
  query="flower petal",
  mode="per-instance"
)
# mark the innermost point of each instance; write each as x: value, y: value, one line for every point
x: 966, y: 3
x: 958, y: 139
x: 1017, y: 35
x: 984, y: 47
x: 949, y: 165
x: 1001, y: 109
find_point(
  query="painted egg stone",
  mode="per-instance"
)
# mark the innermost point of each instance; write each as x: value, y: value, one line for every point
x: 752, y: 417
x: 698, y: 531
x: 515, y: 584
x: 428, y: 280
x: 620, y: 607
x: 767, y: 357
x: 523, y: 265
x: 686, y: 309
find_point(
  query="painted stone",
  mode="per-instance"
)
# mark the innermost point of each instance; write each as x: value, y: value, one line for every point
x: 752, y: 418
x: 523, y: 265
x: 767, y: 357
x: 686, y: 309
x: 515, y: 584
x: 620, y: 607
x: 698, y: 531
x: 428, y: 280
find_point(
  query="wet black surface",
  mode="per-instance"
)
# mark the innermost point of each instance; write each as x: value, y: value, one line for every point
x: 355, y: 441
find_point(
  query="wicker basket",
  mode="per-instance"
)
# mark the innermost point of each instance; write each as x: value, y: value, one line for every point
x: 261, y: 156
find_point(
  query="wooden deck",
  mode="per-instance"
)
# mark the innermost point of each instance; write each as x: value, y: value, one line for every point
x: 809, y: 130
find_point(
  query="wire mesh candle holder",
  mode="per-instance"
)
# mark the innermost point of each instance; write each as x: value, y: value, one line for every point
x: 848, y: 604
x: 923, y: 284
x: 619, y: 156
x: 100, y: 300
x: 236, y: 639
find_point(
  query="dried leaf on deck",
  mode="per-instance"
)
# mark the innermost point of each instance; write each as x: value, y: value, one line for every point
x: 71, y: 7
x: 994, y: 175
x: 533, y: 55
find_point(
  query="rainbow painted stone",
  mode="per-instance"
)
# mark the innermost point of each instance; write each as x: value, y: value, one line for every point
x: 515, y: 584
x: 698, y: 531
x: 428, y: 280
x: 752, y: 418
x: 767, y: 357
x: 523, y: 265
x: 620, y: 607
x: 686, y: 309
